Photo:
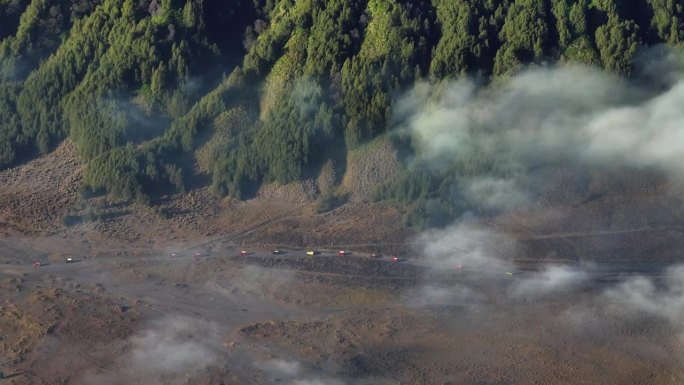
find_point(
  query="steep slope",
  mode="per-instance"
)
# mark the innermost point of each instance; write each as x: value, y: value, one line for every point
x: 133, y: 84
x: 161, y: 96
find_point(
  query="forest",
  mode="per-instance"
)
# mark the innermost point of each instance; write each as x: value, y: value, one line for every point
x: 154, y: 93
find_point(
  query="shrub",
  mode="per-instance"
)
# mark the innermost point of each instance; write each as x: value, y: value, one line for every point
x: 328, y: 202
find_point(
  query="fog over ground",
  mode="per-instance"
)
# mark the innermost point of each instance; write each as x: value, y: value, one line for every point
x: 506, y: 141
x: 169, y: 351
x: 664, y: 300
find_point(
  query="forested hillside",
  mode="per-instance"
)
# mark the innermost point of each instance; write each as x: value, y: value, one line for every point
x: 155, y: 92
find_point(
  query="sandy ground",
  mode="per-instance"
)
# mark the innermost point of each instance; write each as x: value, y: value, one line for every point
x: 221, y: 318
x: 160, y: 295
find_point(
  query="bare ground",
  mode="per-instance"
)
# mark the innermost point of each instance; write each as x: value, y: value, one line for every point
x: 139, y: 307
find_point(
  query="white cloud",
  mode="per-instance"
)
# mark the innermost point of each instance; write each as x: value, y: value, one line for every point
x: 553, y: 279
x: 502, y: 140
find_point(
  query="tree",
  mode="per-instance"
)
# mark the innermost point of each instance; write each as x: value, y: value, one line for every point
x: 617, y: 42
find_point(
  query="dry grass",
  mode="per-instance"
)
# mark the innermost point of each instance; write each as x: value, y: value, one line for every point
x: 369, y: 166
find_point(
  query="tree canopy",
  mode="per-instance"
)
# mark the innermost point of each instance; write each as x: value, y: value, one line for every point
x: 267, y: 90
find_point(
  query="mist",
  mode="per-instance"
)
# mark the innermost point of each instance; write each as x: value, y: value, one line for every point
x: 664, y: 299
x: 505, y: 141
x: 474, y: 254
x: 504, y: 145
x: 467, y: 244
x: 294, y: 373
x: 551, y: 280
x: 169, y: 351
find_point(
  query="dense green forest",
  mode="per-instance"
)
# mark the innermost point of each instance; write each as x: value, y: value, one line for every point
x: 153, y: 92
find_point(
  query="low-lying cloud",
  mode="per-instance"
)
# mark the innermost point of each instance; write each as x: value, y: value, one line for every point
x: 292, y: 372
x: 662, y: 299
x: 504, y: 141
x: 551, y: 280
x: 469, y: 245
x: 173, y: 346
x: 475, y: 252
x: 506, y: 144
x: 170, y: 351
x: 280, y: 367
